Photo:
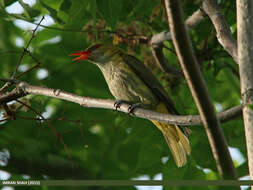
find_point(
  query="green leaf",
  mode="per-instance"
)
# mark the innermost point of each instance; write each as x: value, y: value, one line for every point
x: 148, y: 155
x: 110, y: 9
x: 5, y: 3
x: 52, y: 12
x: 12, y: 16
x: 79, y: 14
x: 65, y: 5
x: 243, y: 169
x: 28, y: 11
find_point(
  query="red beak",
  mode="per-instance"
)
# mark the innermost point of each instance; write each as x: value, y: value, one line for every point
x: 82, y: 55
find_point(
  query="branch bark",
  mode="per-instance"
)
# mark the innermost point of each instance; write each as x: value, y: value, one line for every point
x: 158, y: 39
x: 223, y: 31
x: 199, y: 89
x: 245, y: 58
x: 224, y: 35
x: 24, y: 89
x: 192, y: 21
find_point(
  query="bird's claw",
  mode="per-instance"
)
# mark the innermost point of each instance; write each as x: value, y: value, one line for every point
x: 118, y: 103
x: 132, y: 107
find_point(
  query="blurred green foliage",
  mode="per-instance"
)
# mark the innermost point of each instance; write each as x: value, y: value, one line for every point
x: 105, y: 144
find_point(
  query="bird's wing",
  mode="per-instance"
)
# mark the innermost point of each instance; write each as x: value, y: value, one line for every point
x: 150, y: 80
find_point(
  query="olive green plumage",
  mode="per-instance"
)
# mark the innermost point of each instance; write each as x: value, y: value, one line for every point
x: 130, y: 80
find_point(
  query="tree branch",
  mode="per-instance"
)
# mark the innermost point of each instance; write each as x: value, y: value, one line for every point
x: 223, y: 31
x: 245, y: 58
x: 7, y: 84
x: 26, y: 48
x: 199, y: 89
x: 162, y: 62
x: 24, y: 89
x: 192, y: 21
x: 158, y: 39
x: 224, y: 35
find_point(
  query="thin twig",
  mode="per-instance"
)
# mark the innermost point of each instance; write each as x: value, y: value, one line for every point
x: 26, y: 48
x: 52, y: 119
x: 31, y: 68
x: 81, y: 30
x: 9, y: 113
x: 9, y: 80
x: 6, y: 85
x: 59, y: 137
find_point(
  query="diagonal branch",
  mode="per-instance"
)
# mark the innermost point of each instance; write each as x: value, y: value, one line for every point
x: 192, y: 21
x: 7, y: 84
x: 199, y: 89
x: 38, y: 63
x: 157, y: 40
x: 223, y: 31
x: 24, y: 89
x: 53, y: 129
x: 224, y: 35
x: 26, y: 48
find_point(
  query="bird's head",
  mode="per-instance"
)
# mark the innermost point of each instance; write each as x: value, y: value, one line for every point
x: 98, y: 53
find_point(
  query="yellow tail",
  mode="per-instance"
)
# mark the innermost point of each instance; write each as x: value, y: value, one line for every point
x: 178, y: 143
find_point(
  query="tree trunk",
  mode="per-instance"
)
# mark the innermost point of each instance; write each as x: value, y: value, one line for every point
x: 245, y: 58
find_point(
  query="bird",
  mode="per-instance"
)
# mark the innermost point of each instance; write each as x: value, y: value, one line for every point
x: 131, y: 81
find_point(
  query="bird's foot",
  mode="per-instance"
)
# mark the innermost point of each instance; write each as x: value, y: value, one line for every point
x: 132, y: 107
x: 118, y: 103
